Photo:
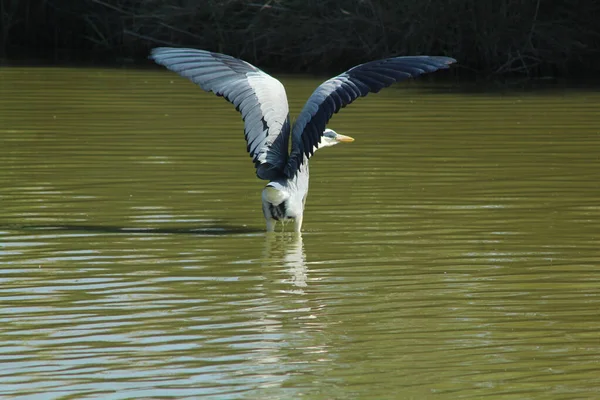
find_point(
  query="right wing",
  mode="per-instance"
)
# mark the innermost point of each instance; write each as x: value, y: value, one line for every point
x: 334, y: 94
x: 259, y: 97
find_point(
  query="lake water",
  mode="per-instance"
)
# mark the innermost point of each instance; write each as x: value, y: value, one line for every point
x: 450, y: 252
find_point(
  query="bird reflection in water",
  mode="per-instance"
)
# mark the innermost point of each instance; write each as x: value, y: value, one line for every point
x: 289, y: 250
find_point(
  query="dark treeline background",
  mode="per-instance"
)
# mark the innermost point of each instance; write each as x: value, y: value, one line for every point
x: 488, y: 37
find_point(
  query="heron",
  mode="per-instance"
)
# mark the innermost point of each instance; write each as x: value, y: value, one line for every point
x: 262, y: 102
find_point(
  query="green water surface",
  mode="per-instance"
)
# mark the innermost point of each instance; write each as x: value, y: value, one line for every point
x: 450, y: 252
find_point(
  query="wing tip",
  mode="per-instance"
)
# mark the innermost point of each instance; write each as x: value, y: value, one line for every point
x: 448, y: 60
x: 158, y: 51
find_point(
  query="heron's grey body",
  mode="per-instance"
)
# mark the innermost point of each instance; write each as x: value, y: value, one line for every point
x: 262, y: 101
x: 283, y: 199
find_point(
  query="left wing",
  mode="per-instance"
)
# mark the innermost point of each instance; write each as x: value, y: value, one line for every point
x: 259, y: 97
x: 339, y: 91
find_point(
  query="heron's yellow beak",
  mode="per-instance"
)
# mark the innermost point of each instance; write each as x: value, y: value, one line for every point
x: 344, y: 138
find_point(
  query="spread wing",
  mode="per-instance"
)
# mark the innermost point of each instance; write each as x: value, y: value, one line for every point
x: 339, y: 91
x: 259, y: 97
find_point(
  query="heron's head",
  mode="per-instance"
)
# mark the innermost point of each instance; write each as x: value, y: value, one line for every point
x: 331, y: 138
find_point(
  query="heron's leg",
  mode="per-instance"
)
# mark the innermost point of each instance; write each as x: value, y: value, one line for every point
x: 298, y: 223
x: 270, y: 224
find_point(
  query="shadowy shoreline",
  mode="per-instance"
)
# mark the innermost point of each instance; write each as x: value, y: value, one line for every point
x: 525, y: 38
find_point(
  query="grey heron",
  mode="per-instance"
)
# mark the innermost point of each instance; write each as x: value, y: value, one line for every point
x: 262, y: 101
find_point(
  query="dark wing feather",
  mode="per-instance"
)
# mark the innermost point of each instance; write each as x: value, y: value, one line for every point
x: 260, y: 98
x: 336, y: 93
